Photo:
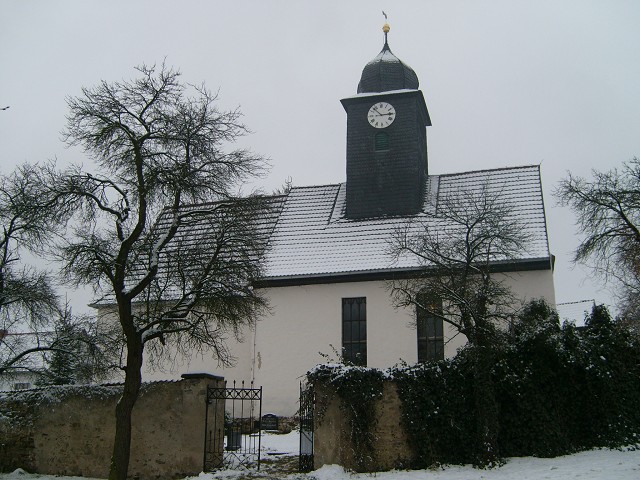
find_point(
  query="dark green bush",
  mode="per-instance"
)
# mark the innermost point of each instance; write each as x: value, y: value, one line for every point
x: 564, y: 389
x: 558, y: 389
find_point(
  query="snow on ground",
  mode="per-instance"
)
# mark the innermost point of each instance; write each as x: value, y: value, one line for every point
x: 288, y: 444
x: 591, y: 465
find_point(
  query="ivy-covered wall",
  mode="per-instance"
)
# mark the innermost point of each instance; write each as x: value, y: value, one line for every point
x: 557, y: 390
x: 358, y: 418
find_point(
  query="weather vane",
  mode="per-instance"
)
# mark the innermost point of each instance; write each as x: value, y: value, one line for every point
x: 386, y: 27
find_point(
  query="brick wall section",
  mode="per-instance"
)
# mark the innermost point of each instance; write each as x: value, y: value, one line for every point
x: 70, y: 431
x: 331, y: 440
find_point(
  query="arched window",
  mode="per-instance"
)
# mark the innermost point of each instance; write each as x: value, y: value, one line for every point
x: 430, y: 331
x: 381, y: 141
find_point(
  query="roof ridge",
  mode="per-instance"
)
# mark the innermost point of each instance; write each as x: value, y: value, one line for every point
x: 229, y: 200
x: 317, y: 186
x: 519, y: 167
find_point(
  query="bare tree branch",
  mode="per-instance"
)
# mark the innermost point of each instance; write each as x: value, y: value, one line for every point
x: 458, y: 248
x: 177, y: 275
x: 607, y: 210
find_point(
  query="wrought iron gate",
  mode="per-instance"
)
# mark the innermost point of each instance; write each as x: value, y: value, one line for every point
x: 307, y: 402
x: 232, y: 428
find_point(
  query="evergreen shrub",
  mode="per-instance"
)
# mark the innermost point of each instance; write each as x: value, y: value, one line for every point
x: 559, y: 389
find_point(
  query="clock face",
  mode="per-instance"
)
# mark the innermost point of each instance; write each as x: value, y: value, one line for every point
x: 381, y: 115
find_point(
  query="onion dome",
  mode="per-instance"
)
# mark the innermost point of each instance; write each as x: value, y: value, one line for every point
x: 387, y: 72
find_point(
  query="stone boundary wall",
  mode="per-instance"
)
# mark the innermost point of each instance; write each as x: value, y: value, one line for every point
x: 332, y: 444
x: 69, y: 430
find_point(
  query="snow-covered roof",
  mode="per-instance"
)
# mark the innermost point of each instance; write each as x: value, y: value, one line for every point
x: 305, y: 236
x: 313, y: 238
x: 400, y: 91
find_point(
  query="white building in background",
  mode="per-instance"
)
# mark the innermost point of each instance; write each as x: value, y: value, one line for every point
x: 25, y: 373
x: 328, y: 267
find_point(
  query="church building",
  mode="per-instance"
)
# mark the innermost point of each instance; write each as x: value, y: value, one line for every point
x: 328, y: 265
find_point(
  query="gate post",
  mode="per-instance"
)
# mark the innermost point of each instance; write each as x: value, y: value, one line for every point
x: 307, y: 404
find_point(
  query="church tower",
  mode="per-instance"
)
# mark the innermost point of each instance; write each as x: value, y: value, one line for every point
x: 386, y: 140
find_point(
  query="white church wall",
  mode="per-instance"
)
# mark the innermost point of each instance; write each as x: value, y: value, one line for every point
x: 174, y: 365
x: 305, y: 322
x: 241, y: 352
x: 531, y: 285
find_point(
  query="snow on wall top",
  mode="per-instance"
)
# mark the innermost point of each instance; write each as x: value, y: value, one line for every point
x: 313, y: 237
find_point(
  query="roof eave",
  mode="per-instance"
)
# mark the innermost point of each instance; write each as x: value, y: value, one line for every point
x: 529, y: 264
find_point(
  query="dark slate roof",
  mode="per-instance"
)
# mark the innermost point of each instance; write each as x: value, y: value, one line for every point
x: 387, y: 72
x: 313, y: 238
x: 202, y: 224
x: 261, y: 215
x: 305, y: 237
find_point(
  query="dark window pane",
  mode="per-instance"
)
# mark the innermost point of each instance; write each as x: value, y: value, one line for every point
x: 431, y: 326
x: 354, y: 330
x: 439, y: 350
x: 429, y: 330
x: 355, y: 311
x: 355, y: 333
x: 346, y: 331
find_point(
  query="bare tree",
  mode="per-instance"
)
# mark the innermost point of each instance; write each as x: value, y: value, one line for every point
x: 28, y: 301
x: 67, y: 350
x: 185, y: 279
x: 459, y: 248
x: 34, y: 327
x: 607, y: 211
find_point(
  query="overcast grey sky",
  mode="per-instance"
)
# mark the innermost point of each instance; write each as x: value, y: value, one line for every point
x: 507, y: 82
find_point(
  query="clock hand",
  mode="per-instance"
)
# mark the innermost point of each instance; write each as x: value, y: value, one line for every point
x: 381, y: 114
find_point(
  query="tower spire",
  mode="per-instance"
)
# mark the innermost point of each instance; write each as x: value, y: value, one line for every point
x: 385, y: 28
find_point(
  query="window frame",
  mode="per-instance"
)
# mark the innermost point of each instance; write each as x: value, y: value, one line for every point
x: 354, y: 330
x: 429, y: 331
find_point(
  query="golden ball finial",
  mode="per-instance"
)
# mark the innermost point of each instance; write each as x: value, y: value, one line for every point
x: 386, y: 28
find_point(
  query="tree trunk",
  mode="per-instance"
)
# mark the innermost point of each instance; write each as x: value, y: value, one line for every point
x: 486, y: 405
x: 487, y: 454
x: 124, y: 408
